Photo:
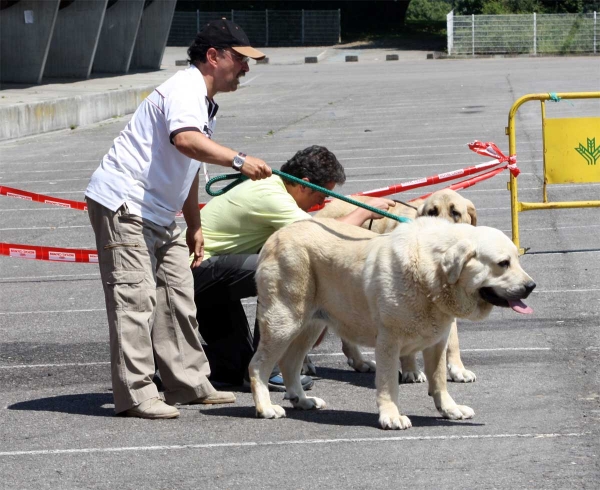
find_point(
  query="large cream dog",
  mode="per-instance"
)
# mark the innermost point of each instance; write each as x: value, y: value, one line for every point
x: 397, y: 292
x: 446, y: 204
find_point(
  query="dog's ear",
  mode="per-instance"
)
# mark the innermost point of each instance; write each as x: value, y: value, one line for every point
x: 472, y: 212
x: 455, y: 259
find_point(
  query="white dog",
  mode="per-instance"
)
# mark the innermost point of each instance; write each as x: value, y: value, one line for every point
x: 398, y: 293
x: 446, y: 204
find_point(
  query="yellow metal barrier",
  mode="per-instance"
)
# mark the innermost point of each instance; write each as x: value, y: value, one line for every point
x: 571, y: 155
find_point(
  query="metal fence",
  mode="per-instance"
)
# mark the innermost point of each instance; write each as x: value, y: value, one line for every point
x: 536, y: 34
x: 265, y: 28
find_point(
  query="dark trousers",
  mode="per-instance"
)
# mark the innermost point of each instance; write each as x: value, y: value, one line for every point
x: 220, y: 283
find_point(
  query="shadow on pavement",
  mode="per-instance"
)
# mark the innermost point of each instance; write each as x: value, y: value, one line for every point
x: 337, y: 417
x: 83, y: 404
x: 362, y: 380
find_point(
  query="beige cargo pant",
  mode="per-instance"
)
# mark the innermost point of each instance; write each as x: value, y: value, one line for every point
x: 149, y: 294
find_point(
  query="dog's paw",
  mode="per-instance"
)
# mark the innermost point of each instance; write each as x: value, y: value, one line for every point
x: 308, y: 368
x: 458, y: 412
x: 309, y: 403
x: 400, y: 422
x: 460, y: 375
x: 273, y: 412
x: 414, y: 377
x: 362, y: 366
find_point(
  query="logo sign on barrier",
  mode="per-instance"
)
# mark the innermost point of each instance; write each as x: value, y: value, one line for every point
x: 22, y: 253
x: 572, y: 150
x: 61, y: 256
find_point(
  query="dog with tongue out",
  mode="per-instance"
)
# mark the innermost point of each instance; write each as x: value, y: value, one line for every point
x: 396, y: 292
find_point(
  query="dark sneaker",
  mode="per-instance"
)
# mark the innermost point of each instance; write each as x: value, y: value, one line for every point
x: 276, y: 383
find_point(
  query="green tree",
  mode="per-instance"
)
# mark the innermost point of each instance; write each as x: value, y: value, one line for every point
x: 490, y: 7
x: 428, y: 10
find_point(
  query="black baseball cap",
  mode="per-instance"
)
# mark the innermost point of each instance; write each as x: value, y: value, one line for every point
x: 223, y: 33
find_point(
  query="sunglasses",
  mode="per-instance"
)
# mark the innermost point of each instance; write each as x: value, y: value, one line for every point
x: 238, y: 57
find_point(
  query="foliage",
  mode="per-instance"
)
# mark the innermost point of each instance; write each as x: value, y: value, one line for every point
x: 428, y: 10
x: 490, y: 7
x: 436, y: 10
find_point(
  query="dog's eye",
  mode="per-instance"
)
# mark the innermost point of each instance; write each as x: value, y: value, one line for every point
x: 456, y: 215
x: 505, y: 264
x: 433, y: 211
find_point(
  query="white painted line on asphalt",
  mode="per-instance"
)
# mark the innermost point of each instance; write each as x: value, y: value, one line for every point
x: 499, y: 349
x: 46, y: 228
x: 559, y: 228
x: 48, y: 311
x: 54, y: 276
x: 324, y: 354
x: 501, y: 189
x: 97, y: 160
x: 178, y: 447
x: 66, y: 364
x: 247, y: 82
x: 253, y: 302
x: 36, y: 209
x: 66, y: 170
x: 52, y: 181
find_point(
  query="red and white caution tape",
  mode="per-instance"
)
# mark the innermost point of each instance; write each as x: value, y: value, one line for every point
x: 487, y: 149
x: 91, y: 256
x: 459, y: 186
x: 32, y: 196
x: 490, y: 149
x: 54, y: 201
x: 54, y: 254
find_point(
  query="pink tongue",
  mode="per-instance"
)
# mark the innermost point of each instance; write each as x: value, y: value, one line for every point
x: 520, y: 307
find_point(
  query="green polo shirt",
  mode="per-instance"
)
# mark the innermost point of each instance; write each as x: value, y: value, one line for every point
x: 241, y: 220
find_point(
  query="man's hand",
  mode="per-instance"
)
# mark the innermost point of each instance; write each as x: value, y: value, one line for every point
x: 195, y: 243
x: 360, y: 215
x: 379, y: 203
x: 255, y: 168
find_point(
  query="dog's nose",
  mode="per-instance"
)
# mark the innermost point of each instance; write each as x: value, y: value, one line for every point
x: 530, y: 286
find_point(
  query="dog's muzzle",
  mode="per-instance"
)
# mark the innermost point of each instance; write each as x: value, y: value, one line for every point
x: 489, y: 295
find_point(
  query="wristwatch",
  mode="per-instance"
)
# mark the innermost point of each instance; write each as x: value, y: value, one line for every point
x: 238, y: 161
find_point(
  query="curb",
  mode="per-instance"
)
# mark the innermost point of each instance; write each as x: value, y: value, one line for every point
x: 20, y: 120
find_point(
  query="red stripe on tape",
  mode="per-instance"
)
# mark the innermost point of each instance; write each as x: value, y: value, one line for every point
x: 54, y: 254
x: 54, y: 201
x: 32, y: 196
x: 426, y: 181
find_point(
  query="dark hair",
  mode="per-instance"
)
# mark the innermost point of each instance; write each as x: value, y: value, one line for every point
x: 317, y: 164
x: 197, y: 52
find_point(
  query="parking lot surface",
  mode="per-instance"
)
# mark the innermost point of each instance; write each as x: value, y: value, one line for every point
x: 537, y: 394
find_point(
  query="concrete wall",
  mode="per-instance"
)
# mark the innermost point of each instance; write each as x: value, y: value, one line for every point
x: 117, y: 39
x: 152, y: 34
x: 24, y: 46
x: 19, y: 120
x: 75, y: 39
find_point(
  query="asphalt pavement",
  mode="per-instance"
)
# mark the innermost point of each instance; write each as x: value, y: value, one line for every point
x: 537, y: 394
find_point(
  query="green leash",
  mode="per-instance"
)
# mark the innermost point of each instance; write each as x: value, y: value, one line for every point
x: 238, y: 179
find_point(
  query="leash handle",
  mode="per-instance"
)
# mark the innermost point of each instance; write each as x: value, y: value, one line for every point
x: 241, y: 178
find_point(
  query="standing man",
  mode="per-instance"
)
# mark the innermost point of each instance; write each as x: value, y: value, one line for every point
x: 149, y: 174
x: 236, y: 226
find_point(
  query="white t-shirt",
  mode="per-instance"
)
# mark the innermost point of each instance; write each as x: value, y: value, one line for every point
x: 143, y: 168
